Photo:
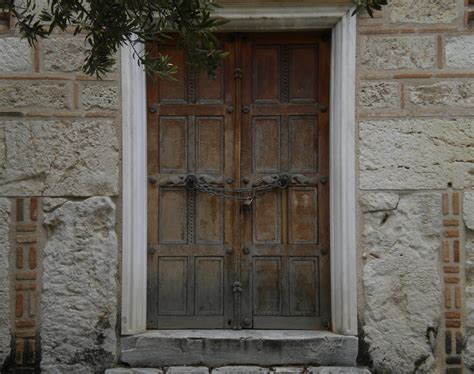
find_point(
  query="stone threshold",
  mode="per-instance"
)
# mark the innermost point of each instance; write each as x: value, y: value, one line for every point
x: 241, y: 370
x: 213, y: 348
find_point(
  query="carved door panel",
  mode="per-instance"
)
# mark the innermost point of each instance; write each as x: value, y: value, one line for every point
x: 190, y: 234
x: 215, y: 263
x: 285, y: 262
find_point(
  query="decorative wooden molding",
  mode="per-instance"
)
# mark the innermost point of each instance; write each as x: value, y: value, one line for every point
x: 270, y: 16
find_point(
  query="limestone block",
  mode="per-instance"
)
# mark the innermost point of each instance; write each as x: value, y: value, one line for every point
x: 379, y: 95
x: 377, y: 201
x: 468, y: 209
x: 99, y: 96
x: 459, y: 52
x: 240, y: 370
x: 51, y: 203
x: 5, y: 325
x: 337, y: 370
x: 402, y: 285
x: 187, y: 370
x: 26, y: 95
x: 446, y: 93
x: 79, y: 287
x: 133, y: 371
x: 423, y: 11
x: 398, y: 52
x: 288, y: 370
x: 468, y: 352
x: 63, y: 54
x: 58, y: 158
x: 15, y: 55
x: 416, y: 153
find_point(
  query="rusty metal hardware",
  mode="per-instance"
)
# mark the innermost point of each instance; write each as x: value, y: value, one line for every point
x: 257, y: 188
x: 246, y: 322
x: 151, y: 251
x: 324, y: 250
x: 323, y: 180
x: 152, y: 180
x: 236, y: 287
x: 246, y: 250
x: 238, y: 74
x: 246, y: 110
x: 323, y: 108
x: 229, y: 109
x: 228, y: 249
x: 152, y: 108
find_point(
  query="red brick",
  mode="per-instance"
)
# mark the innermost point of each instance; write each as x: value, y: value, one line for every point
x: 34, y: 209
x: 26, y: 286
x: 19, y: 305
x: 32, y: 304
x: 28, y: 238
x: 452, y: 323
x: 451, y: 280
x: 27, y: 275
x: 447, y: 297
x: 453, y: 315
x: 32, y: 257
x: 451, y: 233
x: 25, y: 227
x: 445, y: 251
x: 25, y: 323
x: 19, y: 257
x: 19, y: 210
x: 457, y: 297
x: 451, y: 222
x: 456, y: 251
x: 455, y: 203
x: 445, y: 203
x: 451, y: 269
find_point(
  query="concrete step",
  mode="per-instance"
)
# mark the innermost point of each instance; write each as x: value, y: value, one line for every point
x: 241, y: 370
x: 216, y: 348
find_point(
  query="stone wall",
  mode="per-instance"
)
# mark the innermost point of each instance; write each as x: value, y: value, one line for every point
x: 415, y: 70
x: 59, y: 171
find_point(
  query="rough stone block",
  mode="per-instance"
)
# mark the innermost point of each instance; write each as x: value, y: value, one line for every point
x: 379, y: 95
x: 402, y: 284
x: 378, y: 201
x: 187, y: 370
x: 58, y: 158
x: 5, y: 324
x: 240, y: 370
x: 133, y: 371
x: 118, y: 371
x: 337, y: 370
x: 468, y: 352
x: 459, y: 52
x: 398, y: 52
x: 63, y: 54
x: 423, y: 11
x: 99, y: 96
x: 446, y: 94
x: 226, y: 347
x: 468, y: 209
x: 43, y: 95
x: 79, y: 295
x: 288, y: 370
x: 15, y: 55
x: 416, y: 153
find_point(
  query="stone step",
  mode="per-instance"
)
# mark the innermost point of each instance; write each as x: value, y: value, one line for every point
x: 217, y: 348
x: 241, y: 370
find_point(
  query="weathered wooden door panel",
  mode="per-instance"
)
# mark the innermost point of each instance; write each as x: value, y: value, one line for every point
x: 285, y: 266
x: 212, y: 263
x: 190, y: 132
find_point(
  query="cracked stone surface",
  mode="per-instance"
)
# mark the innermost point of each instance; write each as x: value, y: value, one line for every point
x: 446, y: 94
x: 468, y: 209
x: 379, y: 95
x: 416, y: 153
x: 401, y: 283
x: 79, y: 287
x: 5, y: 324
x: 53, y: 157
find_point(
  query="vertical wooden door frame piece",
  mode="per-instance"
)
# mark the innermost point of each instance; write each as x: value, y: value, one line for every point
x: 246, y: 16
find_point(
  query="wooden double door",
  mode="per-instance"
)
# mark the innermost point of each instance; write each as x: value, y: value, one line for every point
x: 262, y: 263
